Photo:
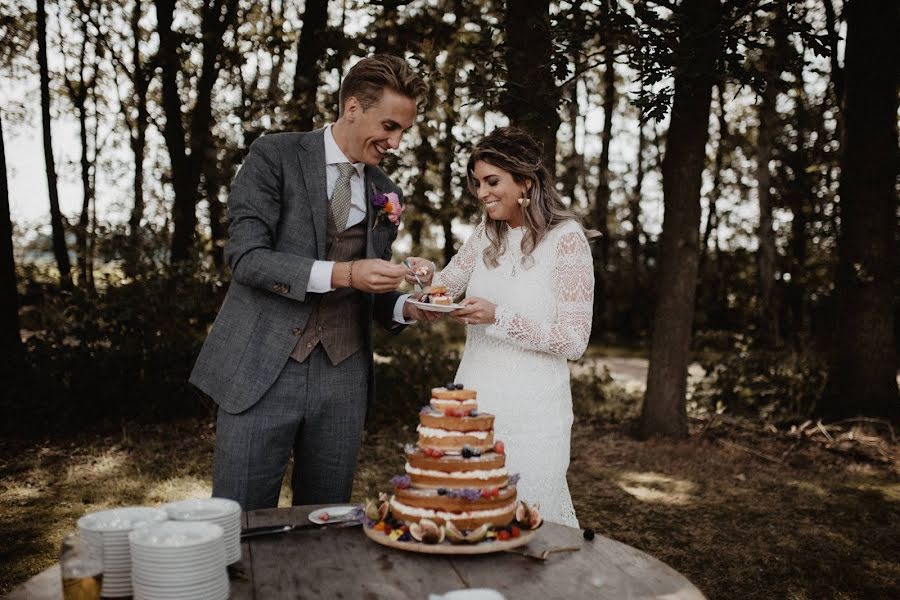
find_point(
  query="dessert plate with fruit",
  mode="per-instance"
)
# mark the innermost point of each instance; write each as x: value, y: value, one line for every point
x: 331, y: 514
x: 435, y: 298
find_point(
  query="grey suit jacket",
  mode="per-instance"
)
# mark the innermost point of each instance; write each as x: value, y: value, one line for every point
x: 278, y: 209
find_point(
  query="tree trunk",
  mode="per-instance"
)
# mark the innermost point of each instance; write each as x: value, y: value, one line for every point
x: 837, y: 74
x: 56, y: 219
x: 711, y: 212
x: 574, y: 162
x: 602, y: 302
x: 636, y: 321
x: 276, y: 17
x: 310, y: 51
x: 217, y: 228
x: 799, y: 199
x: 10, y: 336
x: 184, y: 216
x: 140, y: 82
x: 448, y: 199
x: 765, y: 255
x: 664, y: 410
x: 449, y: 241
x: 862, y: 379
x: 186, y: 169
x: 531, y: 97
x: 78, y: 92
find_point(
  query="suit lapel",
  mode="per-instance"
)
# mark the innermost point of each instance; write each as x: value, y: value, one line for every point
x: 370, y: 214
x: 312, y: 164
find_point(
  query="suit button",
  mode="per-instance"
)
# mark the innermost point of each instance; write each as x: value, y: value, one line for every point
x: 296, y: 331
x: 309, y: 344
x: 320, y: 329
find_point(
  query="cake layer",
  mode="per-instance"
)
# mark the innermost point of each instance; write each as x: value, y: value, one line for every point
x: 499, y: 517
x: 436, y: 420
x: 432, y: 500
x: 445, y: 394
x: 425, y: 478
x: 440, y: 405
x: 453, y: 441
x: 452, y: 463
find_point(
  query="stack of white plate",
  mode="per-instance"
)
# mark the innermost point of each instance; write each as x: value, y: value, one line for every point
x: 222, y: 512
x: 107, y: 532
x: 179, y: 561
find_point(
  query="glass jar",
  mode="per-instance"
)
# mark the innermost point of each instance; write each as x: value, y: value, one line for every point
x: 81, y: 566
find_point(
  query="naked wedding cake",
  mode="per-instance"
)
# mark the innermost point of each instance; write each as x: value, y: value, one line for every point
x: 457, y: 471
x: 455, y: 486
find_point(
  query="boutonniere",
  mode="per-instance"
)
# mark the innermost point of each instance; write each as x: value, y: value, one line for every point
x: 387, y: 206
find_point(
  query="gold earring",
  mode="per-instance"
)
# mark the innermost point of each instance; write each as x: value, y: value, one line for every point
x: 524, y: 202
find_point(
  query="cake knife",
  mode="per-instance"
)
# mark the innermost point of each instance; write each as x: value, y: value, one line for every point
x: 252, y: 532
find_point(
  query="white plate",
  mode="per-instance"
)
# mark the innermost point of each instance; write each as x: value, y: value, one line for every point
x: 442, y: 308
x: 121, y: 519
x: 334, y: 512
x: 176, y: 535
x: 203, y: 509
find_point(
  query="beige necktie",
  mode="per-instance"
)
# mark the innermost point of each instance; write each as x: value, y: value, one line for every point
x: 340, y: 198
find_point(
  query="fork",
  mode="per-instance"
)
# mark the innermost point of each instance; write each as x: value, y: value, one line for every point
x: 408, y: 265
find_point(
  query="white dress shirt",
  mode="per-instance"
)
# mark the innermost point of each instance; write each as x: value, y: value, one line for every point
x: 320, y: 275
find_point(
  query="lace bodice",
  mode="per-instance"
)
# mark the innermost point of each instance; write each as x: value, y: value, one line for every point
x: 518, y: 363
x: 572, y: 277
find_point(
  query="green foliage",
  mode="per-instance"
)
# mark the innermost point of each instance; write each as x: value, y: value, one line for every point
x: 408, y: 365
x: 125, y: 352
x: 597, y: 399
x: 780, y: 384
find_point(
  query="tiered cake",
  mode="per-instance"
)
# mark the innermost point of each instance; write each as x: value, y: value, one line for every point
x: 457, y: 471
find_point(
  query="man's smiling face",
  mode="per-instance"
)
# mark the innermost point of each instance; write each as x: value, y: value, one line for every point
x: 373, y: 132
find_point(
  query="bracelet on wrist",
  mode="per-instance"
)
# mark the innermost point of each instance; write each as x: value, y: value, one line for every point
x: 350, y: 274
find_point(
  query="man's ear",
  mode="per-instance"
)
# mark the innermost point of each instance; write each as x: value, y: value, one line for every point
x: 352, y: 108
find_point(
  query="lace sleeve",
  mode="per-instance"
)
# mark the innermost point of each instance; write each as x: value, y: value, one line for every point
x: 573, y: 282
x: 457, y: 273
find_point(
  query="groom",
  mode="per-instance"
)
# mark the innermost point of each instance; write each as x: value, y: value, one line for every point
x: 289, y: 357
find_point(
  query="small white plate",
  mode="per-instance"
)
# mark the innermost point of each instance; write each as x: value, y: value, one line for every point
x: 338, y: 513
x: 443, y: 308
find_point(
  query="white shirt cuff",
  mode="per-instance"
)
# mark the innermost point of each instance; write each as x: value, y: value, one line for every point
x: 320, y: 277
x: 398, y: 310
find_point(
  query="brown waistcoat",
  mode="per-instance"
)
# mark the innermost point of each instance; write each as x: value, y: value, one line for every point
x: 336, y: 321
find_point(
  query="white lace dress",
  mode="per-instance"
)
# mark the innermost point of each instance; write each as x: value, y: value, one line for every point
x: 518, y: 364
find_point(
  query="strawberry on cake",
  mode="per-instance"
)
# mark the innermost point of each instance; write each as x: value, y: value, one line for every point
x: 437, y: 294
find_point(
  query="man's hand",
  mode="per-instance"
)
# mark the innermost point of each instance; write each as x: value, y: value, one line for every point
x: 414, y: 313
x: 475, y: 311
x: 421, y: 267
x: 371, y: 275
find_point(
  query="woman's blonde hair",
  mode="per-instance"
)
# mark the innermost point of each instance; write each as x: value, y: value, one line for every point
x: 519, y: 154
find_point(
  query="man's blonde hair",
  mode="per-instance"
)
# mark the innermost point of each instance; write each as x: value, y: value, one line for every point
x: 368, y: 79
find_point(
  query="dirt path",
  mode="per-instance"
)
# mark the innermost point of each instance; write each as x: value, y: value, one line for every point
x: 631, y: 373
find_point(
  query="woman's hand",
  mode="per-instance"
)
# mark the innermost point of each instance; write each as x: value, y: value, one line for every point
x: 421, y: 267
x: 475, y: 311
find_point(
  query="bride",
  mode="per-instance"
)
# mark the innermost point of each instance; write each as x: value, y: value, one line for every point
x: 528, y: 277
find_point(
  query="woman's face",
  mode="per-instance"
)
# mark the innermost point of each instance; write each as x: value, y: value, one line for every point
x: 499, y: 193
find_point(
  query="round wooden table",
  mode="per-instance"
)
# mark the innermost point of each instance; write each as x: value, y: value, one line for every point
x: 343, y: 563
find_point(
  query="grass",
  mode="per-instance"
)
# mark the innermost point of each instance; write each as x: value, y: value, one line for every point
x: 741, y: 511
